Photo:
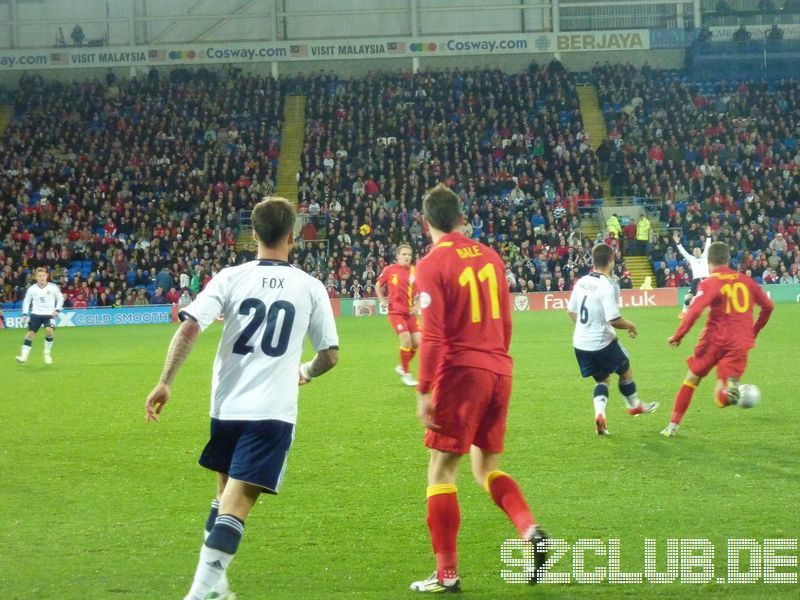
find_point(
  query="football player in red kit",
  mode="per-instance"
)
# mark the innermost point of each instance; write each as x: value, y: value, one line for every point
x: 399, y: 281
x: 728, y: 335
x: 464, y: 383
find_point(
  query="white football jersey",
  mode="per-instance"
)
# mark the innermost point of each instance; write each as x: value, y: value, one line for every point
x: 268, y: 307
x: 698, y: 266
x: 42, y: 300
x: 595, y: 299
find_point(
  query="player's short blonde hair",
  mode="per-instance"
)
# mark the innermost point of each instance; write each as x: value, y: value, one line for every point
x: 41, y: 270
x: 401, y: 246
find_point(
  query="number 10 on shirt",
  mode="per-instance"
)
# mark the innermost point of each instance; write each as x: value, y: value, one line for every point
x: 485, y: 274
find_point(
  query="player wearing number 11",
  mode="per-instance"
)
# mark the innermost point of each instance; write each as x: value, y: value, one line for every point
x: 464, y: 383
x: 269, y: 307
x: 728, y: 335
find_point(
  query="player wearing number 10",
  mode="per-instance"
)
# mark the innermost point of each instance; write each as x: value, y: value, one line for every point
x: 268, y: 306
x: 464, y: 383
x: 728, y: 335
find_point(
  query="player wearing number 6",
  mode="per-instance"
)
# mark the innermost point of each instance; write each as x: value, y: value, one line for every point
x: 269, y: 306
x: 594, y: 308
x: 464, y: 383
x: 728, y: 335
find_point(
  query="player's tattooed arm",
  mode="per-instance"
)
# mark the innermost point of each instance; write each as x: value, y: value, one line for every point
x: 179, y: 349
x: 323, y: 362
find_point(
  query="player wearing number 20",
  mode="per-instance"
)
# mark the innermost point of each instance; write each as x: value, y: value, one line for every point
x: 269, y: 307
x: 594, y: 308
x: 728, y: 335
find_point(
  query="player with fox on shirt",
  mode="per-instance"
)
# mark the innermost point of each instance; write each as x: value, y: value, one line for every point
x: 464, y: 383
x: 728, y: 335
x: 399, y: 281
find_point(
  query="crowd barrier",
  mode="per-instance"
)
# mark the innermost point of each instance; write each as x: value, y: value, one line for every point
x: 370, y: 307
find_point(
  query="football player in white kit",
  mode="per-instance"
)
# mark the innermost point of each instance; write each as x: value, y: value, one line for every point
x: 268, y: 306
x: 594, y: 308
x: 698, y: 264
x: 43, y: 301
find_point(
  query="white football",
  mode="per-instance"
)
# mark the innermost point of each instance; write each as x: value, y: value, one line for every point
x: 749, y: 395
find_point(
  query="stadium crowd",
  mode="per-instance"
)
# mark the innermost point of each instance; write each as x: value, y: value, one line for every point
x: 130, y: 191
x: 512, y: 146
x: 721, y: 155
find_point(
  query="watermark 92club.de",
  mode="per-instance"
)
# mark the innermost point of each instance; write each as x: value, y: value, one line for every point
x: 686, y: 561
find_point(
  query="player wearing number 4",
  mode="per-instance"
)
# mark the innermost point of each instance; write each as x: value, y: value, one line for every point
x: 268, y: 306
x: 594, y: 308
x: 728, y: 335
x: 464, y: 384
x: 399, y: 281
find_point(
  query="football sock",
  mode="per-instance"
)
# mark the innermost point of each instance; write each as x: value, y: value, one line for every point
x: 26, y: 348
x: 682, y: 401
x: 406, y: 354
x: 444, y: 519
x: 507, y: 495
x: 600, y: 398
x: 722, y: 396
x: 48, y: 345
x: 628, y: 390
x: 212, y: 517
x: 222, y: 584
x: 216, y: 554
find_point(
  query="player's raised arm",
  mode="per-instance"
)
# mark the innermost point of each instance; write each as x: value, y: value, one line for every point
x: 677, y: 239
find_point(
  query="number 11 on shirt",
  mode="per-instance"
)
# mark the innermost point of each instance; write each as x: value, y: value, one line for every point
x: 485, y: 274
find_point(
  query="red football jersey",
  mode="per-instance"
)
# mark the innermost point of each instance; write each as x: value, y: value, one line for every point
x: 466, y: 309
x: 400, y: 282
x: 731, y: 297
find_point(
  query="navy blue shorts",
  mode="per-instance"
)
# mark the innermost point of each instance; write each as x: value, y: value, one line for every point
x: 251, y: 451
x: 602, y: 363
x: 695, y: 284
x: 35, y: 322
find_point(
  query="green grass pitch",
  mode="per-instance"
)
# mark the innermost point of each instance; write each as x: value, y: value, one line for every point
x: 96, y: 505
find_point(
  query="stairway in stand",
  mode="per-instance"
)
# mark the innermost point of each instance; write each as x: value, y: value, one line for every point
x: 292, y: 136
x: 640, y: 268
x: 6, y: 114
x: 593, y: 120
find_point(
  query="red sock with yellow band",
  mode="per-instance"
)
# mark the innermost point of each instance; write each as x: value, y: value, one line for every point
x: 444, y: 519
x: 507, y: 495
x: 406, y: 354
x: 682, y: 401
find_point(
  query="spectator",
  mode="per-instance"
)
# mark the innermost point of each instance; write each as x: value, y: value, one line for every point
x: 158, y: 297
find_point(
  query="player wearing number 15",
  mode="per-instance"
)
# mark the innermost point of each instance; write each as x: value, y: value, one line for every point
x: 464, y: 382
x: 728, y: 335
x: 268, y: 306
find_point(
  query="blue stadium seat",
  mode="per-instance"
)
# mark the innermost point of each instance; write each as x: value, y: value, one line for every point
x: 8, y: 305
x: 671, y: 264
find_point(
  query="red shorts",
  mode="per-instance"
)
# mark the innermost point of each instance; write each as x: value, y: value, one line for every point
x: 730, y: 362
x: 404, y: 323
x: 470, y: 406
